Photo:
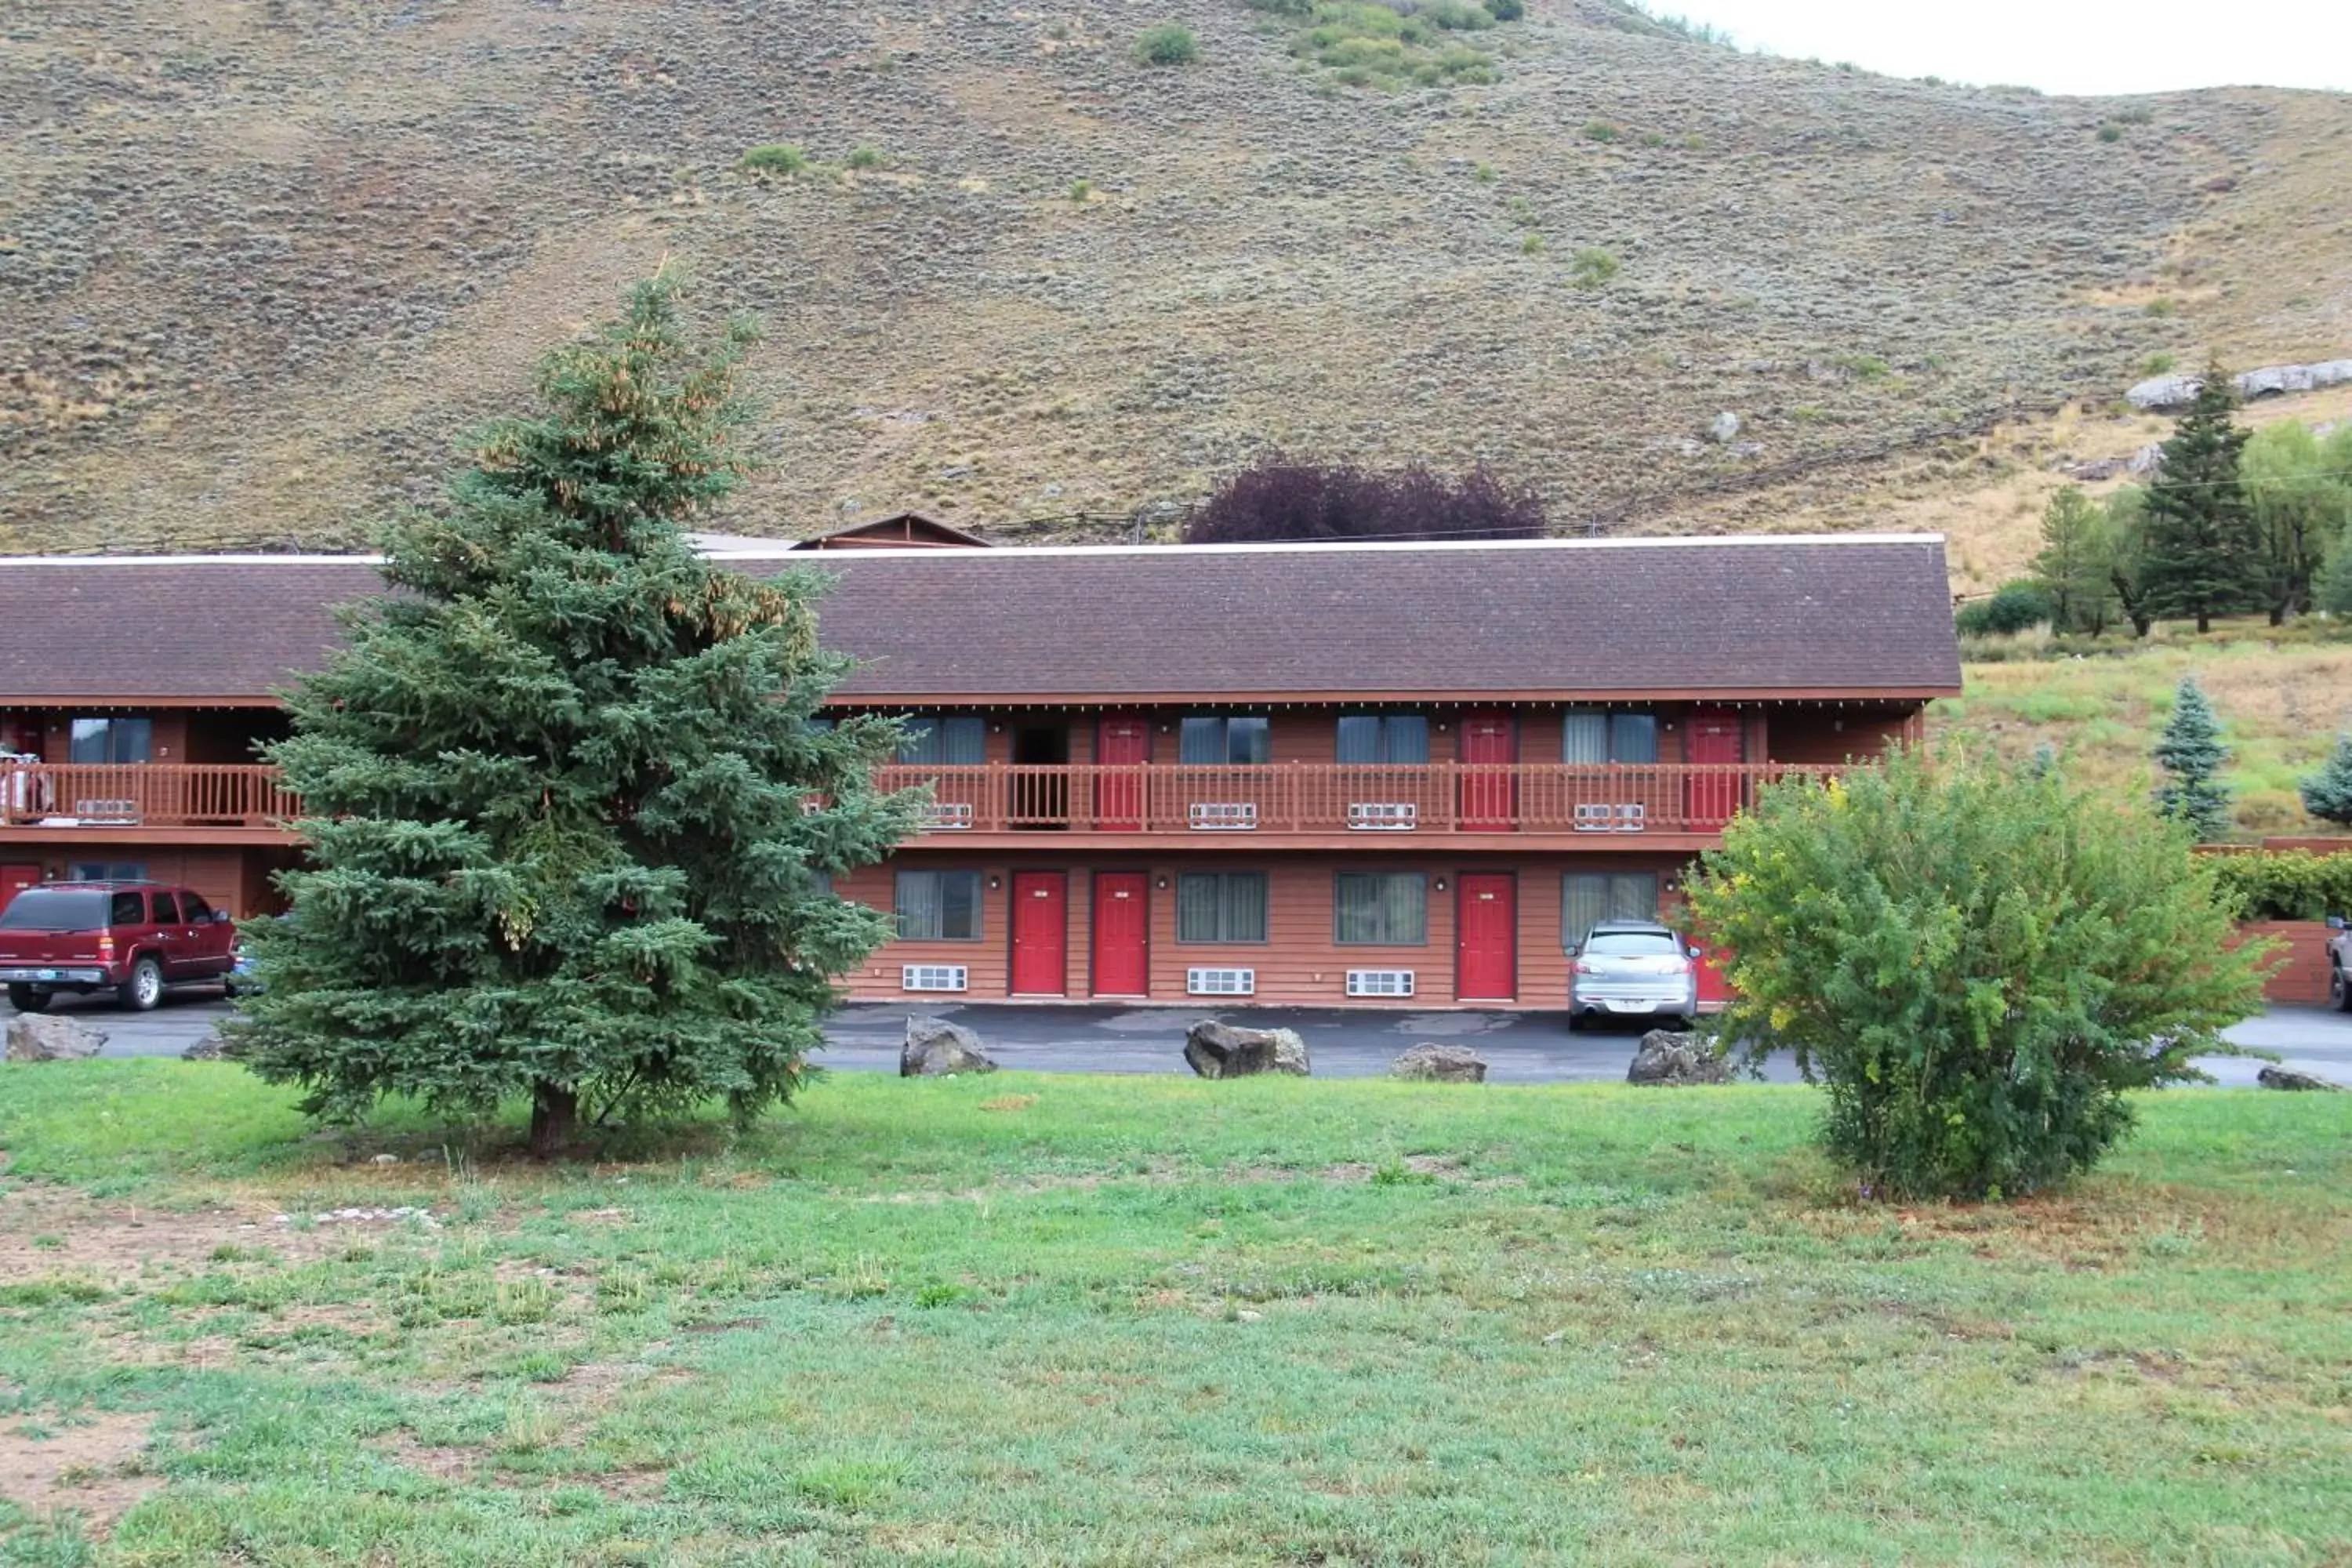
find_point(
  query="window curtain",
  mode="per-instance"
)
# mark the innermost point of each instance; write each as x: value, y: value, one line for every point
x: 1588, y: 735
x: 1370, y: 738
x: 112, y: 740
x: 938, y: 906
x: 1384, y: 908
x: 1208, y: 741
x: 918, y: 906
x: 1584, y: 737
x: 935, y: 741
x: 1228, y: 905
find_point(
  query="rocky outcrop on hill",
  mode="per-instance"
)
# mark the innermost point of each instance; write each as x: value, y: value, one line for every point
x: 2164, y: 393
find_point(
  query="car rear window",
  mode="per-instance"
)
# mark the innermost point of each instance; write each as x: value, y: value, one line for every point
x: 1635, y: 944
x: 55, y: 909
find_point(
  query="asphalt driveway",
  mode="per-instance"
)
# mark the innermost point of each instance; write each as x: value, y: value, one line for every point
x: 1520, y: 1048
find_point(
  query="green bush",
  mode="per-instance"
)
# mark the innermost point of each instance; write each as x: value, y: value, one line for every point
x: 866, y: 158
x: 1506, y: 10
x: 2014, y: 607
x: 2111, y: 133
x: 2296, y: 885
x: 1168, y: 44
x: 1592, y: 267
x: 776, y: 159
x: 1600, y: 131
x: 1456, y: 15
x: 1976, y: 959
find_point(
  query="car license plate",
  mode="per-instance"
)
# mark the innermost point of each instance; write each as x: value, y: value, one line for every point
x: 45, y: 973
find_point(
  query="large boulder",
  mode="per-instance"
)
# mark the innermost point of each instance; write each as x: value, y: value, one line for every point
x: 1673, y: 1057
x: 207, y: 1049
x: 1223, y: 1050
x: 937, y: 1048
x: 46, y: 1037
x: 2301, y: 1078
x: 1431, y: 1063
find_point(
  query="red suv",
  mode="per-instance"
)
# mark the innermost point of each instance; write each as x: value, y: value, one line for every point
x: 133, y: 939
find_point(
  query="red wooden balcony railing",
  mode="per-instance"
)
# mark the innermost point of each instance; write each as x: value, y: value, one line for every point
x: 142, y: 794
x: 1370, y: 801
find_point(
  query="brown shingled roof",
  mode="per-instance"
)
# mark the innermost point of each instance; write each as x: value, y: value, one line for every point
x: 1869, y: 616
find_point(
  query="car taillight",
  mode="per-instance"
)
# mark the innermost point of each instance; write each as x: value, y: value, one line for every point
x: 106, y: 947
x: 1580, y: 967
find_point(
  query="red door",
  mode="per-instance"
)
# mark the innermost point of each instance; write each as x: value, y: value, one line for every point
x: 14, y: 879
x: 1716, y: 736
x: 1123, y: 742
x: 1487, y: 938
x: 1490, y: 744
x: 1040, y: 934
x: 1122, y: 933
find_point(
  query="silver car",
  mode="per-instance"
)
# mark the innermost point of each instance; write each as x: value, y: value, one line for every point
x: 1632, y: 969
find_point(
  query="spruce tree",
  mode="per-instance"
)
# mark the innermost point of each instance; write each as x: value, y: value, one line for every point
x: 2204, y: 549
x: 2327, y: 794
x: 571, y: 831
x: 2190, y: 752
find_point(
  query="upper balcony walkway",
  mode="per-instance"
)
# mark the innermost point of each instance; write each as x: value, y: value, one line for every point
x: 1304, y: 805
x: 1599, y: 806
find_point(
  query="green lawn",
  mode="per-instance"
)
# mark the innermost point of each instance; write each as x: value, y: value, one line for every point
x: 1037, y: 1319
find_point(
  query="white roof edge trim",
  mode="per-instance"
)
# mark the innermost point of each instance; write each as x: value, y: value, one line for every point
x: 819, y: 558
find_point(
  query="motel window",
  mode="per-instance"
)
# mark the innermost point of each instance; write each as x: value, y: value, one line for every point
x: 106, y: 871
x: 1591, y: 735
x: 935, y: 740
x: 1589, y: 897
x: 1221, y: 907
x: 938, y: 906
x: 1383, y: 738
x: 112, y: 740
x: 1214, y: 740
x: 1381, y: 908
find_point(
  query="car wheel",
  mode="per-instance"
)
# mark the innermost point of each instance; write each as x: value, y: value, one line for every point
x: 2339, y: 993
x: 1575, y: 1023
x: 25, y: 999
x: 145, y: 988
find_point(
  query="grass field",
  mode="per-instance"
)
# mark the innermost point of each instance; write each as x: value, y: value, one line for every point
x: 1038, y: 1320
x: 2282, y: 703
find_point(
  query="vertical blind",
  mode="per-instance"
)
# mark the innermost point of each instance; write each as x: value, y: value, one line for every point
x: 1588, y: 735
x: 1589, y: 897
x: 1387, y: 907
x: 1221, y: 906
x: 1383, y: 738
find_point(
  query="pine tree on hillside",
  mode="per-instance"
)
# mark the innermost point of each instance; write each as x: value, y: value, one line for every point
x: 571, y: 829
x: 2327, y: 794
x: 2204, y: 548
x: 2190, y: 752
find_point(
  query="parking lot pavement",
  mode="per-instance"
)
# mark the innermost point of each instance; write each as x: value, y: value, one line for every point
x: 1520, y: 1048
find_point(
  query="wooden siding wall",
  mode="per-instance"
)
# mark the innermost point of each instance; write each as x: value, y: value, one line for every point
x: 2302, y: 977
x: 201, y: 736
x: 1829, y: 736
x: 231, y: 877
x: 1299, y: 963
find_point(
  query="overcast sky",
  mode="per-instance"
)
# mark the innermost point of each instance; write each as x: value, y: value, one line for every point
x: 2058, y: 46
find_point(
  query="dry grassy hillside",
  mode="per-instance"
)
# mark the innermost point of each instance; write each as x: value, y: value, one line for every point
x: 259, y: 257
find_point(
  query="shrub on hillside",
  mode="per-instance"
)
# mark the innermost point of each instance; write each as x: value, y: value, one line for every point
x: 1280, y: 500
x: 775, y: 159
x: 1592, y: 267
x: 1168, y: 44
x: 2014, y: 607
x: 1976, y: 960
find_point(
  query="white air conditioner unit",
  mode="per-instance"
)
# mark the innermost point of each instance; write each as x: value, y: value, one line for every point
x: 1223, y: 816
x: 1379, y: 983
x: 1633, y: 817
x: 934, y: 977
x: 1392, y: 816
x: 948, y: 816
x: 1628, y: 817
x: 1221, y: 981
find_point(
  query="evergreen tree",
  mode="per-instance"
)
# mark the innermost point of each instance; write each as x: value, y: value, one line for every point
x: 2077, y: 564
x: 2204, y: 549
x: 571, y: 829
x: 2327, y: 794
x: 2191, y: 752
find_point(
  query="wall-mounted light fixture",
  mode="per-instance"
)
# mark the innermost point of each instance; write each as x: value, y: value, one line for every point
x: 1161, y: 884
x: 1441, y: 884
x: 994, y: 881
